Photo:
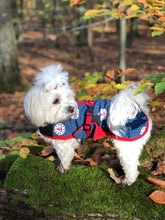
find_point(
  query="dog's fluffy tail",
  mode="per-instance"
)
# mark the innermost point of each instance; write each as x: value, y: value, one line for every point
x: 124, y: 104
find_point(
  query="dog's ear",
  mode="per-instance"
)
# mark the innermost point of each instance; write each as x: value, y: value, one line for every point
x: 34, y: 105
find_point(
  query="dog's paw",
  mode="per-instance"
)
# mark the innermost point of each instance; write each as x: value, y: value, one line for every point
x: 61, y: 169
x: 127, y: 182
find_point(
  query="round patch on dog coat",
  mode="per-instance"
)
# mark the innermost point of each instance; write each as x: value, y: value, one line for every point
x: 103, y: 114
x: 59, y: 129
x: 142, y: 130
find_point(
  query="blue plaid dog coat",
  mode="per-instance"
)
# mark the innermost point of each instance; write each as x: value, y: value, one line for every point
x: 91, y: 121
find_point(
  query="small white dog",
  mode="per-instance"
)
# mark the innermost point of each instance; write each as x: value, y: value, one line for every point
x: 51, y: 106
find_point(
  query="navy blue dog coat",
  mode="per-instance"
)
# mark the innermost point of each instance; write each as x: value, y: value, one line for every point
x: 91, y: 121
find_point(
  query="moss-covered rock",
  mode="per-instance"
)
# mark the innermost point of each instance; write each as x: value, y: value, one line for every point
x: 81, y: 191
x: 6, y: 161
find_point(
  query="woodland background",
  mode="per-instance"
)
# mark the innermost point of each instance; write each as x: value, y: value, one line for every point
x: 103, y: 44
x: 38, y: 33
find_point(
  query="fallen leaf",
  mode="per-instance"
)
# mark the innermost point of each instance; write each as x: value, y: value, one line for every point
x: 92, y: 163
x: 47, y: 150
x: 156, y: 181
x: 76, y: 2
x: 160, y: 169
x: 77, y: 156
x: 51, y: 158
x: 127, y: 71
x: 158, y: 196
x: 12, y: 136
x: 38, y: 138
x: 134, y: 7
x: 120, y: 86
x: 119, y: 71
x: 24, y: 152
x: 110, y: 74
x: 113, y: 176
x: 106, y: 144
x: 5, y: 148
x: 21, y: 143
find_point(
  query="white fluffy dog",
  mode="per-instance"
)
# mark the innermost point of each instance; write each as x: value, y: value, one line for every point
x: 51, y: 106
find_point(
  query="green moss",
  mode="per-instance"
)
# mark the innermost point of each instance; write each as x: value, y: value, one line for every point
x: 7, y: 160
x: 81, y: 191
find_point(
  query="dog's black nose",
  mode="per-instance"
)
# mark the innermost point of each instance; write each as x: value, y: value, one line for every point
x: 71, y: 109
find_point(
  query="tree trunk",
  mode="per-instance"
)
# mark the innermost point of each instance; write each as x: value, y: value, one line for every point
x: 122, y: 39
x: 10, y: 78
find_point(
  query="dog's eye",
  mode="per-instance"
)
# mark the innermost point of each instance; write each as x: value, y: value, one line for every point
x: 56, y: 101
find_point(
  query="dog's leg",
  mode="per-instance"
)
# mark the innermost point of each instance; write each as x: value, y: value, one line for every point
x: 128, y: 154
x: 65, y: 152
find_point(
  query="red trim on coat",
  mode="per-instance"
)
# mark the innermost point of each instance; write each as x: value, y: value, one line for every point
x: 59, y: 137
x: 90, y: 102
x: 129, y: 139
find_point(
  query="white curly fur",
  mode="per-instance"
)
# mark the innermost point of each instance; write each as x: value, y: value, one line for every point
x: 48, y: 102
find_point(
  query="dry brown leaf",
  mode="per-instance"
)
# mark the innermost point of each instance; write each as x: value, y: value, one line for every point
x: 158, y: 196
x: 110, y: 74
x: 113, y: 176
x: 38, y: 138
x: 156, y: 181
x: 119, y: 71
x: 47, y: 150
x: 127, y: 71
x: 21, y: 143
x: 160, y: 169
x: 76, y: 155
x: 92, y: 163
x: 12, y: 136
x: 106, y: 144
x: 76, y: 2
x: 87, y: 162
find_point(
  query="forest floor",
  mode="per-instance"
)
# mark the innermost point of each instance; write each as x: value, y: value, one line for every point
x: 146, y: 55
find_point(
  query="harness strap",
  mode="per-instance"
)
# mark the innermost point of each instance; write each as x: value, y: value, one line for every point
x: 88, y: 118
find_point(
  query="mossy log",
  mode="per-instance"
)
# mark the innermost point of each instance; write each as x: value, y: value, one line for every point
x: 83, y: 191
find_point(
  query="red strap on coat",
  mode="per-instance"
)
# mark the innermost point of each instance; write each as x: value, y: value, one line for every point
x: 88, y: 119
x: 98, y: 132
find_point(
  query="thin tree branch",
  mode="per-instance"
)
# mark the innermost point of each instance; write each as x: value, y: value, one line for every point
x: 77, y: 28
